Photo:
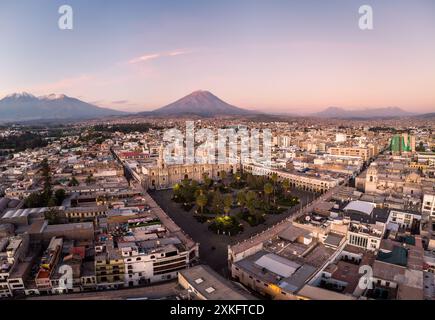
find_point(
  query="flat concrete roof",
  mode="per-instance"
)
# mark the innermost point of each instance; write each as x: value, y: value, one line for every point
x: 211, y: 285
x: 360, y: 206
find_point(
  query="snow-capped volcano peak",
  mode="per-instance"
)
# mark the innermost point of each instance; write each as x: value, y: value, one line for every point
x: 24, y: 106
x: 18, y: 95
x: 53, y: 96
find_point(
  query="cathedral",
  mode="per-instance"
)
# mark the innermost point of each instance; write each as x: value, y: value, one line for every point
x: 379, y: 182
x: 163, y: 176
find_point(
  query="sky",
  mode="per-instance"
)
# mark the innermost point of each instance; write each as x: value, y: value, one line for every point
x: 289, y: 56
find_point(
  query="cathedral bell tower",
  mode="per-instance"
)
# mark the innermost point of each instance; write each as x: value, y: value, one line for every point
x: 161, y: 160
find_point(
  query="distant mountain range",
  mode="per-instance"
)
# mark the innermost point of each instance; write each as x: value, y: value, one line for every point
x: 25, y: 106
x: 340, y: 113
x: 426, y: 116
x: 199, y: 103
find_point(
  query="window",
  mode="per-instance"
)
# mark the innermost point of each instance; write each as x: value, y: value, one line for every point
x: 199, y: 280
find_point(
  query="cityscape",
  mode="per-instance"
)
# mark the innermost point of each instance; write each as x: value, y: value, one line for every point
x: 203, y: 194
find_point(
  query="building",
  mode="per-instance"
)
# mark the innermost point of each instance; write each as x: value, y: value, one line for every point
x: 398, y: 270
x: 203, y: 283
x: 109, y: 267
x: 163, y: 176
x: 12, y: 251
x: 380, y: 181
x: 153, y: 261
x: 48, y: 265
x: 280, y: 265
x: 367, y: 224
x: 364, y: 153
x: 404, y: 219
x: 402, y: 143
x: 428, y: 204
x: 309, y: 182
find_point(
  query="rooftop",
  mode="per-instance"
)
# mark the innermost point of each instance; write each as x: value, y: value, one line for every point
x: 211, y: 285
x: 360, y: 206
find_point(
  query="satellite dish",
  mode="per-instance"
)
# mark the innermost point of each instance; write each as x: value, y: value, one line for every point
x: 307, y: 218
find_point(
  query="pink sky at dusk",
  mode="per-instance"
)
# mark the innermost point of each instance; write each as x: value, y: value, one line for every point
x: 282, y: 56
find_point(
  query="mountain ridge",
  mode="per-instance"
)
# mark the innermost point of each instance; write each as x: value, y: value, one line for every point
x: 366, y: 113
x: 200, y: 103
x: 25, y: 106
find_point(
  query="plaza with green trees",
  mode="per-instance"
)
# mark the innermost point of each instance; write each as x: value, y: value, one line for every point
x: 235, y: 201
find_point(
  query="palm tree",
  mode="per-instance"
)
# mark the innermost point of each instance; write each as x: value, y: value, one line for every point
x: 217, y: 202
x: 223, y: 174
x: 286, y: 186
x: 207, y: 180
x: 274, y: 179
x: 228, y: 202
x: 201, y: 201
x: 238, y: 176
x: 251, y: 197
x: 268, y: 190
x: 241, y: 199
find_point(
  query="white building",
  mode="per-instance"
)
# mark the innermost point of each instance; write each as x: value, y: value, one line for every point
x: 404, y: 219
x: 428, y: 206
x: 340, y: 137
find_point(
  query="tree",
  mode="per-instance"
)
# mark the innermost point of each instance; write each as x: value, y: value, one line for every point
x: 52, y: 215
x: 420, y: 147
x: 274, y: 179
x: 268, y: 190
x: 34, y: 200
x: 207, y: 180
x: 241, y: 199
x: 223, y: 177
x: 228, y: 202
x: 46, y: 175
x: 251, y: 196
x: 286, y: 186
x: 238, y: 176
x: 73, y: 182
x: 217, y: 202
x: 60, y: 195
x: 251, y: 199
x: 90, y: 179
x: 51, y: 202
x: 201, y: 201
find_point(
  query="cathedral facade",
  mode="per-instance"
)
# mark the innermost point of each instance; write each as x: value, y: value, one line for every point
x: 163, y: 176
x: 377, y: 182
